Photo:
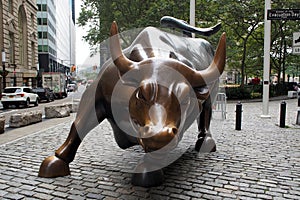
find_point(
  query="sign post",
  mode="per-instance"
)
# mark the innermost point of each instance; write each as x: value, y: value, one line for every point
x: 274, y: 14
x: 266, y: 76
x: 193, y: 14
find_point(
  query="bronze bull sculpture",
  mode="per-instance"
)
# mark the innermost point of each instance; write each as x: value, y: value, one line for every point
x: 160, y: 107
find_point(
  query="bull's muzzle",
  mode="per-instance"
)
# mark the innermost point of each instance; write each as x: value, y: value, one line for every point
x: 153, y: 139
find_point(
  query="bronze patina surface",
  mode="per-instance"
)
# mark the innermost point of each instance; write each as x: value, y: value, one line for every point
x: 160, y: 106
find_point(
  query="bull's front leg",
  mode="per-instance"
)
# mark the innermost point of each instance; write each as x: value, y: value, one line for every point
x: 58, y: 164
x: 205, y: 142
x: 88, y: 116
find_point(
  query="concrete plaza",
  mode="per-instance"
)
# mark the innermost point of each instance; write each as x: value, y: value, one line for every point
x: 262, y: 161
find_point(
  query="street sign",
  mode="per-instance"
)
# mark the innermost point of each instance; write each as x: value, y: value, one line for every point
x: 283, y: 14
x: 296, y: 39
x: 296, y: 50
x: 296, y: 43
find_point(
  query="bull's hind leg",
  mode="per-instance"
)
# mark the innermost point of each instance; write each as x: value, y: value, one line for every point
x: 205, y: 142
x: 88, y: 116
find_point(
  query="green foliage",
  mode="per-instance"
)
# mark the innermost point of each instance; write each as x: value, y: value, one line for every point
x: 242, y: 20
x: 237, y: 93
x: 129, y: 14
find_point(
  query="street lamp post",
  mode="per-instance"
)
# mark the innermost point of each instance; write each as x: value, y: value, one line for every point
x: 3, y: 64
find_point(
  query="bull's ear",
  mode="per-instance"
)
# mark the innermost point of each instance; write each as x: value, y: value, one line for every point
x: 119, y: 59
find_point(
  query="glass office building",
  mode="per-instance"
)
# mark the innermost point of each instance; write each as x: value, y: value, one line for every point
x: 56, y: 35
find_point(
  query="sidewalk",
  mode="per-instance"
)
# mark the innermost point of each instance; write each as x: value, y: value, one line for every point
x: 12, y: 134
x: 262, y: 161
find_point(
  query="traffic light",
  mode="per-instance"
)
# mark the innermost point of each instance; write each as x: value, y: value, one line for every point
x: 73, y: 68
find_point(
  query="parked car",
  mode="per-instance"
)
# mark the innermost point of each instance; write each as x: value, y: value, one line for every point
x: 89, y: 82
x: 72, y: 87
x: 19, y: 96
x: 44, y: 93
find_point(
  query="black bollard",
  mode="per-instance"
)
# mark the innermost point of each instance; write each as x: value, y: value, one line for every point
x: 282, y: 114
x: 298, y: 117
x: 238, y: 117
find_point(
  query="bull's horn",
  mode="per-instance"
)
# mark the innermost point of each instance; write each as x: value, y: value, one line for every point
x: 120, y: 60
x: 216, y: 68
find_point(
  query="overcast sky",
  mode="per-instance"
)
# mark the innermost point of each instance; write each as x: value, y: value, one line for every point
x: 82, y: 48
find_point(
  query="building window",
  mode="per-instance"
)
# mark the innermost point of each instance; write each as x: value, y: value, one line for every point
x: 40, y: 48
x: 45, y: 48
x: 42, y: 7
x: 11, y: 48
x: 32, y: 20
x: 45, y: 35
x: 42, y: 21
x: 22, y: 30
x: 10, y: 6
x: 42, y: 35
x: 32, y: 54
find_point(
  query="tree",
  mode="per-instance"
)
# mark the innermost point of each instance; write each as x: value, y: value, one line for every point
x: 129, y: 14
x: 242, y: 20
x: 281, y: 43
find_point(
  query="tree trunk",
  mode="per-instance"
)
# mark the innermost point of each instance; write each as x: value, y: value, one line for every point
x: 243, y: 65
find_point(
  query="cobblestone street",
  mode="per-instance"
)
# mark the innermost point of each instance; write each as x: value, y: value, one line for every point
x: 262, y: 161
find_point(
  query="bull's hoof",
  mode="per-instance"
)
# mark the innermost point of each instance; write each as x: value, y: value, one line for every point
x: 205, y: 145
x: 53, y: 167
x: 148, y: 179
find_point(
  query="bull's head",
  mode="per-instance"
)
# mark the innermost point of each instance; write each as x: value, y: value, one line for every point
x: 156, y: 109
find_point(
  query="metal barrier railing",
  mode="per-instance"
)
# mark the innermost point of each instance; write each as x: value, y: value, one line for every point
x: 220, y: 104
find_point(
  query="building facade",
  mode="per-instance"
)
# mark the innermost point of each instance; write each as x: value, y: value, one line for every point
x: 56, y: 36
x: 65, y: 35
x: 19, y: 42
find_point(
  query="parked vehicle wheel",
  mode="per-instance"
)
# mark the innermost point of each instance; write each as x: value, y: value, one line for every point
x: 5, y: 106
x: 27, y: 103
x: 36, y: 103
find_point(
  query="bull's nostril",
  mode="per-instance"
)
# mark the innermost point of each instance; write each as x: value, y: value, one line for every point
x: 147, y: 129
x: 173, y: 130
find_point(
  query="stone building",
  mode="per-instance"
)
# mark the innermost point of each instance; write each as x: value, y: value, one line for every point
x: 18, y: 25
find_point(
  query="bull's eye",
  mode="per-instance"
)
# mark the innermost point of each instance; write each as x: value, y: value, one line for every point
x: 140, y: 96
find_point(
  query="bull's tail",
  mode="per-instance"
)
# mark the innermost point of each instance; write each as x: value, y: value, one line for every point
x: 172, y: 22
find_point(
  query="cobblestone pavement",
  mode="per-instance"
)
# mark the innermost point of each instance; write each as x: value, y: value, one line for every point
x: 262, y: 161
